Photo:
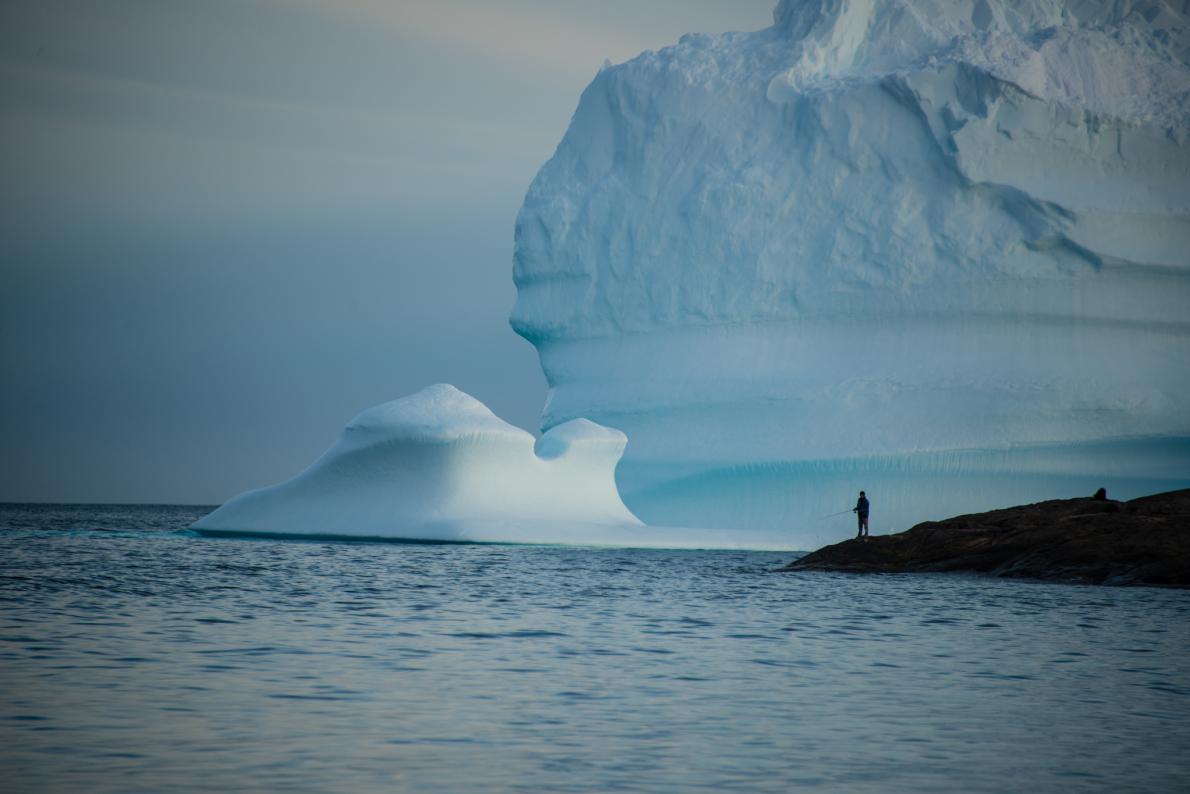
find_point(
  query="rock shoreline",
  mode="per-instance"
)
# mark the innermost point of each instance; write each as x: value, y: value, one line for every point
x: 1144, y: 541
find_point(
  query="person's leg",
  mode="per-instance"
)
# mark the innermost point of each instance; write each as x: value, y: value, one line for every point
x: 859, y: 533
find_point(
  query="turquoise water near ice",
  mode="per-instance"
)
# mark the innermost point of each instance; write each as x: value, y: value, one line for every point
x: 137, y: 658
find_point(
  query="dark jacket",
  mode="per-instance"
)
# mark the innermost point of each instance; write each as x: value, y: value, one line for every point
x: 861, y: 506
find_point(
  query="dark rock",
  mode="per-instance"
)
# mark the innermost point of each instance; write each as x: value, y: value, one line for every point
x: 1100, y: 541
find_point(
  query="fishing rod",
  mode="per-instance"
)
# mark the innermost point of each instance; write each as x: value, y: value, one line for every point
x: 832, y: 515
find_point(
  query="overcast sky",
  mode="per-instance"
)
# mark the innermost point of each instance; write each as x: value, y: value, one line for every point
x: 226, y: 227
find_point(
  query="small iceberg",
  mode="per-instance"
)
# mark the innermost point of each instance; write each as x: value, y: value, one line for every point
x: 438, y: 465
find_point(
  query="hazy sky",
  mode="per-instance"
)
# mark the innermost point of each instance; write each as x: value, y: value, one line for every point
x: 226, y: 227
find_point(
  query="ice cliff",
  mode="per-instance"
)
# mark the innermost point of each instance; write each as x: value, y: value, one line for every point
x: 938, y: 250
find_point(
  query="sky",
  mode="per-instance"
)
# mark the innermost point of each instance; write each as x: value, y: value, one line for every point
x: 229, y: 226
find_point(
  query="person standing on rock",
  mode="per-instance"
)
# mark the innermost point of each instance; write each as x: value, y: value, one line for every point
x: 861, y: 511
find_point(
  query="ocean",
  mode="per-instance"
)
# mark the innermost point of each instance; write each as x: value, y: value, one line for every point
x: 135, y: 656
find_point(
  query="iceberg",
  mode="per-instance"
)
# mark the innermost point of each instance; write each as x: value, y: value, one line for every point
x: 438, y: 465
x: 937, y: 250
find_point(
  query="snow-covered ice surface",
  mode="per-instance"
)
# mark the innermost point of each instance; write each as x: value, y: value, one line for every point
x: 937, y: 250
x: 439, y: 465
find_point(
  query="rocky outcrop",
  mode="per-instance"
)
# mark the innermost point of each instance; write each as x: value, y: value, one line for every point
x: 1145, y: 541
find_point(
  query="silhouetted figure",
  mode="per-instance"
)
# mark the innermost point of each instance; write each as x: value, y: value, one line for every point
x: 861, y: 511
x: 1100, y: 495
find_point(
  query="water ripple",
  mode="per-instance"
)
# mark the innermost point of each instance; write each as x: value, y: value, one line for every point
x: 138, y: 657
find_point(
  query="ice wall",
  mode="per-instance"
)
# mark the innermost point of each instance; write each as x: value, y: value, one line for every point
x: 939, y: 251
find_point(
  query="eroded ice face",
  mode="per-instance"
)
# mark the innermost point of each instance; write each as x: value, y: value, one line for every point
x: 940, y: 251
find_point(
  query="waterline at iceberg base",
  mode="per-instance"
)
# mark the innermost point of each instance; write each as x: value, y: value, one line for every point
x: 941, y: 256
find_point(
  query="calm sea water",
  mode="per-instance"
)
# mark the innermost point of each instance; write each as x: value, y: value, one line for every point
x: 137, y: 658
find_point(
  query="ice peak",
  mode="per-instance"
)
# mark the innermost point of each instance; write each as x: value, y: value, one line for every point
x: 583, y: 434
x: 437, y: 411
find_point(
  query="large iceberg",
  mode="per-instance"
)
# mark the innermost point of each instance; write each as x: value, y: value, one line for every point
x: 935, y: 249
x: 438, y: 465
